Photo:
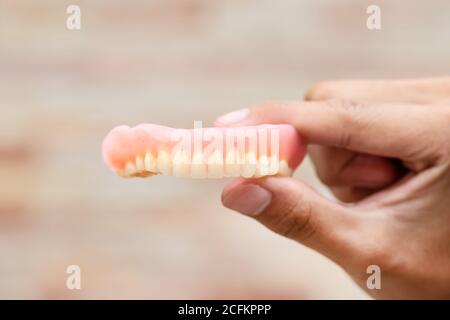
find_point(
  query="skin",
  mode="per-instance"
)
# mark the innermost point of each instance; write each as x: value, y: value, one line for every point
x: 383, y: 148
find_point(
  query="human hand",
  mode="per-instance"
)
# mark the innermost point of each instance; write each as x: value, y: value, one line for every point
x: 383, y: 147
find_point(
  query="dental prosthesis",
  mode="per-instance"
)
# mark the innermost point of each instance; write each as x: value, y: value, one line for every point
x: 250, y: 152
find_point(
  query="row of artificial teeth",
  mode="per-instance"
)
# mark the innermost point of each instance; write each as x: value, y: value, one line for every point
x: 215, y: 167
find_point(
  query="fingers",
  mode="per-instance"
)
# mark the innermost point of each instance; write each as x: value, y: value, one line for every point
x: 339, y: 167
x: 294, y: 210
x: 335, y: 167
x: 416, y: 91
x: 352, y: 176
x: 409, y: 132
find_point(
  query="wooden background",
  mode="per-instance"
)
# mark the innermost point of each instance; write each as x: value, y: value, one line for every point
x: 170, y: 62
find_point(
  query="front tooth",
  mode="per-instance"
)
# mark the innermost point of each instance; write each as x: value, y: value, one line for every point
x: 140, y: 164
x: 284, y: 169
x: 263, y: 168
x: 130, y: 169
x: 249, y: 167
x: 232, y: 167
x: 180, y: 165
x: 163, y: 163
x: 215, y: 165
x: 150, y: 162
x: 199, y: 169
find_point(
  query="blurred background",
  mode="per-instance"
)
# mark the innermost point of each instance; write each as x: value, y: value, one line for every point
x: 171, y: 62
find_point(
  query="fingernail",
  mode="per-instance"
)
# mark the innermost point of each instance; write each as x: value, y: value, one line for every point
x: 232, y: 117
x: 249, y: 199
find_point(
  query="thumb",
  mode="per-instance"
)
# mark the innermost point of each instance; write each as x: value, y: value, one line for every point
x: 292, y: 209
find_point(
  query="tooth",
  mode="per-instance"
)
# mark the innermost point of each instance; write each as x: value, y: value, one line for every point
x: 249, y: 167
x: 240, y: 160
x: 199, y: 169
x: 274, y: 165
x: 150, y: 162
x: 181, y: 165
x: 130, y: 169
x: 164, y: 163
x: 140, y: 164
x: 232, y: 167
x: 215, y: 165
x: 263, y: 168
x: 284, y: 169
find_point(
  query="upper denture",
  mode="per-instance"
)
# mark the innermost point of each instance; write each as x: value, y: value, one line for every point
x: 256, y: 151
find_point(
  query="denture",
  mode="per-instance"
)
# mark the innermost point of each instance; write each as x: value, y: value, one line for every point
x: 250, y: 152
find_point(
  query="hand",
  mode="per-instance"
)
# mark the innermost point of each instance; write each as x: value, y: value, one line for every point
x: 382, y: 146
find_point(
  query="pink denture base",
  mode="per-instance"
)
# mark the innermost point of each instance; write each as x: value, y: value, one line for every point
x: 124, y: 143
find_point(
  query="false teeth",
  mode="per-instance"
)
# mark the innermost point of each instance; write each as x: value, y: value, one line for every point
x: 164, y: 163
x: 148, y: 149
x: 181, y: 167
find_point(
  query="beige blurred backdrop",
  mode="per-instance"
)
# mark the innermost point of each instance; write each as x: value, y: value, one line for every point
x: 170, y: 62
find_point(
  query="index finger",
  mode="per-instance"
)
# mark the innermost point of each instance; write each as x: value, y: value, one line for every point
x: 409, y: 132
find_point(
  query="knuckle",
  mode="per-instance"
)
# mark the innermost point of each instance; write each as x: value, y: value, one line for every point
x: 349, y: 108
x: 349, y: 114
